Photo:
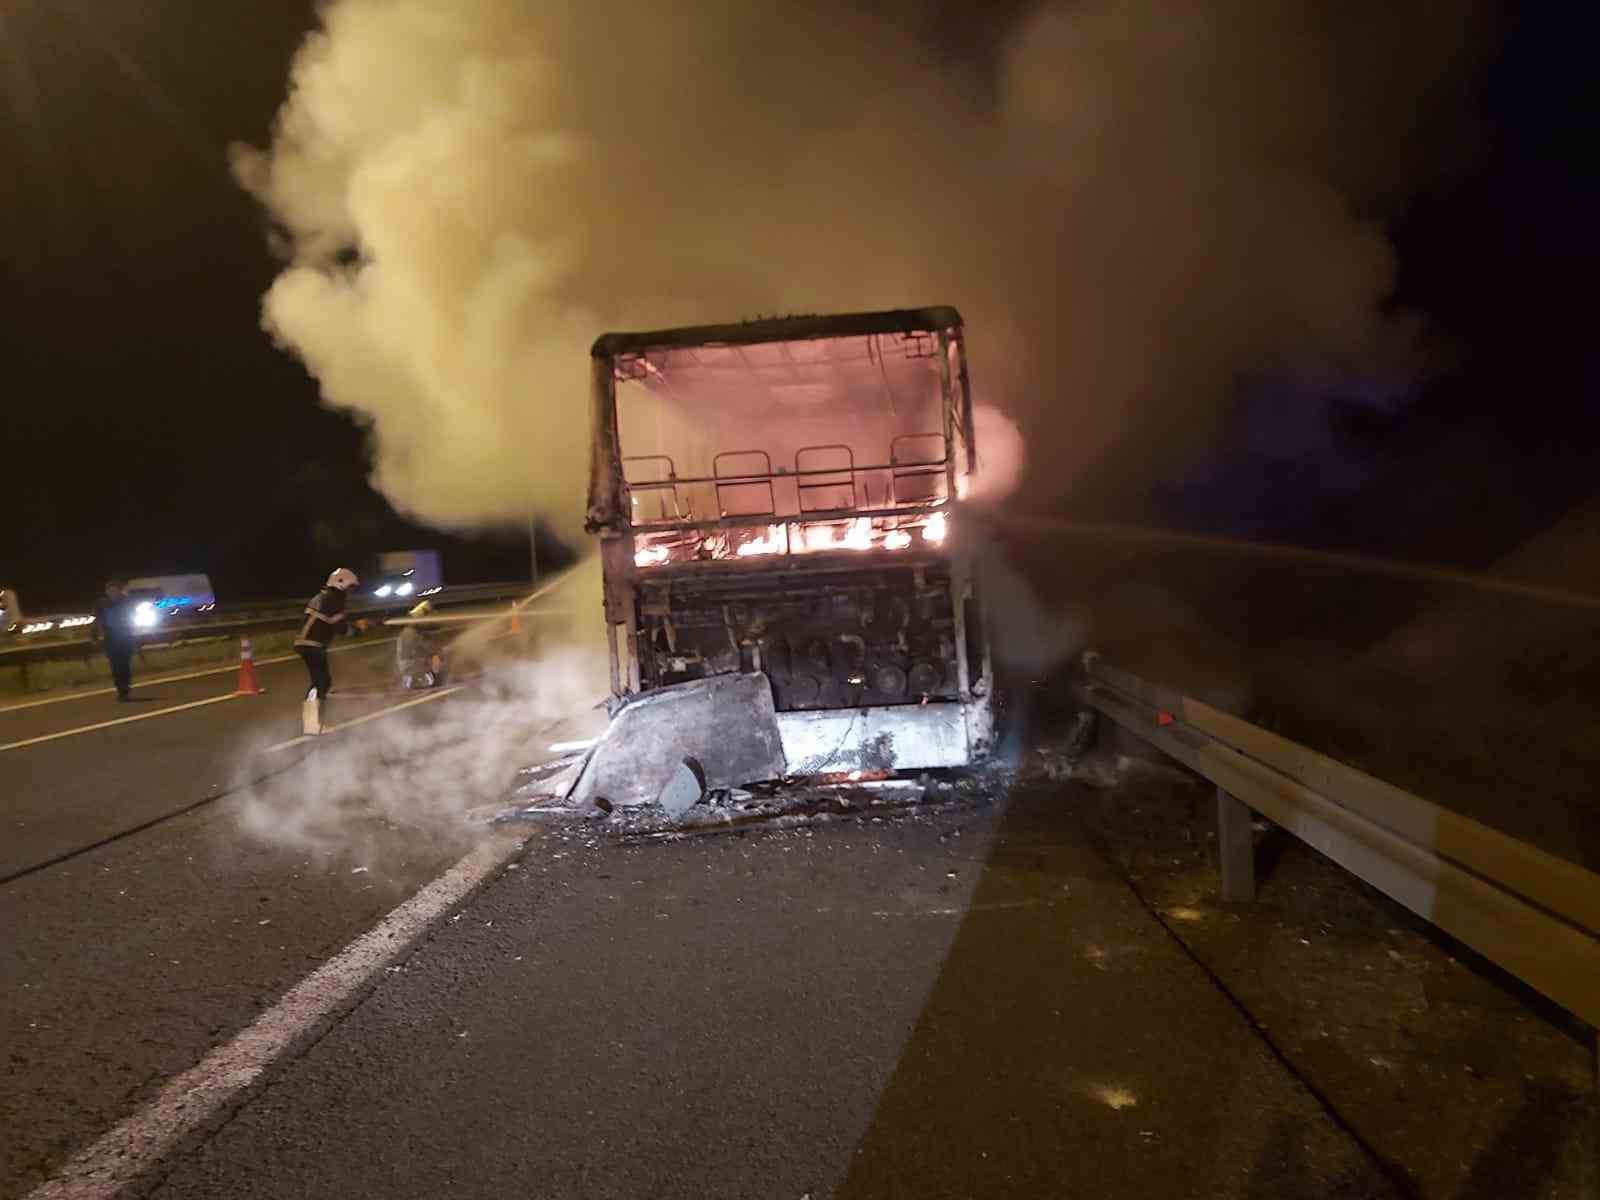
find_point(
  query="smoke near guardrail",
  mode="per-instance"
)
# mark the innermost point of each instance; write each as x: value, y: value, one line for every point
x: 1132, y: 201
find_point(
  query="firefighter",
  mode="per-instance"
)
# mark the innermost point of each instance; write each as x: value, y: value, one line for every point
x: 325, y: 619
x: 417, y: 653
x: 113, y: 629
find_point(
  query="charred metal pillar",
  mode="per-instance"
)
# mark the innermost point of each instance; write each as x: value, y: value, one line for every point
x: 605, y: 467
x: 608, y: 517
x: 947, y: 388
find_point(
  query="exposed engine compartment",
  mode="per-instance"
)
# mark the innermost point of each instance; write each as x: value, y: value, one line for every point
x: 848, y: 637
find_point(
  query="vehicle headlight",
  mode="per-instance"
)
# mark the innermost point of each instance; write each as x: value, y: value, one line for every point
x: 145, y: 615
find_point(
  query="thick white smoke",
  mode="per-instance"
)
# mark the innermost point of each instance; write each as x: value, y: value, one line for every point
x: 395, y: 787
x: 1131, y: 201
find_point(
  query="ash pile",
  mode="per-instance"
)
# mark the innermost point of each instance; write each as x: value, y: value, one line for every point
x: 709, y: 756
x: 777, y: 803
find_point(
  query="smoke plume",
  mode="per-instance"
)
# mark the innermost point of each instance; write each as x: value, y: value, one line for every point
x: 1132, y: 202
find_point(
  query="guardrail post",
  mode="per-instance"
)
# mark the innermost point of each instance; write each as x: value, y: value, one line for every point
x: 1532, y: 913
x: 1236, y: 847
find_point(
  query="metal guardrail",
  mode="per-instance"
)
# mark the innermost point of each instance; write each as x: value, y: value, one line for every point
x: 258, y: 617
x: 1531, y: 913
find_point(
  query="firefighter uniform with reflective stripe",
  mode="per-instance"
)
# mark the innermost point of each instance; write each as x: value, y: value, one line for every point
x: 325, y: 620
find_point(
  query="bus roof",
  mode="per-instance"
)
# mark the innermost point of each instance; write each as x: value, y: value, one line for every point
x: 781, y: 329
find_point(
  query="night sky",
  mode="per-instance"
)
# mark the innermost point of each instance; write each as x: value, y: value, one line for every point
x: 150, y: 425
x: 1502, y: 257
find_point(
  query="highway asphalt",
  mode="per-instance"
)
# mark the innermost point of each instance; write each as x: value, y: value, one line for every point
x: 961, y: 1003
x: 967, y: 1000
x: 123, y: 964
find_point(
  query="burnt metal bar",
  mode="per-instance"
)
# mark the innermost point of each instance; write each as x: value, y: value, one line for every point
x: 832, y: 479
x: 605, y: 466
x: 784, y: 474
x: 779, y: 329
x: 947, y: 391
x: 958, y: 340
x: 819, y: 517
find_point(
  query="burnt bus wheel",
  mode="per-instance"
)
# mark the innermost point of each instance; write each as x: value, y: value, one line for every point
x: 803, y: 691
x: 925, y: 678
x: 889, y: 680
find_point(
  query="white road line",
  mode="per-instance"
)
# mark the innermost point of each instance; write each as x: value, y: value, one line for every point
x: 192, y: 1099
x: 372, y: 716
x: 260, y: 662
x: 160, y: 712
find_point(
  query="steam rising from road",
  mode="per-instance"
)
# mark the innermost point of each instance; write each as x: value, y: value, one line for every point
x: 1132, y: 201
x: 393, y: 789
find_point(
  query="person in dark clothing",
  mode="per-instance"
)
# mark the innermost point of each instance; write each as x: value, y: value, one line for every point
x: 325, y: 620
x: 113, y: 629
x: 418, y: 654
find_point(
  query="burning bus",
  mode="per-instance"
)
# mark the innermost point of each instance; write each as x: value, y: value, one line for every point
x: 774, y: 503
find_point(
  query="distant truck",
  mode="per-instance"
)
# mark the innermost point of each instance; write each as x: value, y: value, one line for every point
x: 403, y: 573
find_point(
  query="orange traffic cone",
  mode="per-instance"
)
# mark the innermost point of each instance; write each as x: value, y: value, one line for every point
x: 248, y: 686
x: 516, y: 619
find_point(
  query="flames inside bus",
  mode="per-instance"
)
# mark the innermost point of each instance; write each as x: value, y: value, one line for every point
x: 777, y: 498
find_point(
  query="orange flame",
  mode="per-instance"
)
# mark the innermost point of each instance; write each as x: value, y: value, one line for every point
x: 776, y: 541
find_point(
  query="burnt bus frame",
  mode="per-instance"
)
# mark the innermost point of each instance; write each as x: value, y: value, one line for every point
x: 610, y: 514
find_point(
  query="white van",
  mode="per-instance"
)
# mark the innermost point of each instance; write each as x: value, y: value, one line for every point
x: 171, y: 595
